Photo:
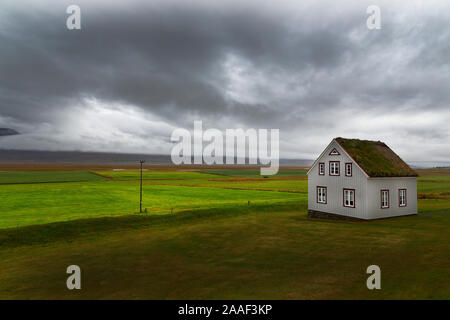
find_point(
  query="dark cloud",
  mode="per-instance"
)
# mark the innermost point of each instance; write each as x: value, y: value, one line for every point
x: 297, y: 67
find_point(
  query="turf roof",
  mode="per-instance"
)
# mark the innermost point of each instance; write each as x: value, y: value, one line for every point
x: 376, y: 158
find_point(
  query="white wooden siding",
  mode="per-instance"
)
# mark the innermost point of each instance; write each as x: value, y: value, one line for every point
x: 374, y: 187
x: 367, y: 190
x: 336, y: 184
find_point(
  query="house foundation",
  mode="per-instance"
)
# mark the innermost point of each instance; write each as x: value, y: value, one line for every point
x: 332, y: 216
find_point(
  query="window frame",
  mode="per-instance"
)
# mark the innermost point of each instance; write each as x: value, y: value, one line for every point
x: 354, y: 198
x: 351, y: 169
x: 338, y: 168
x: 388, y: 199
x: 323, y: 165
x: 334, y: 152
x: 399, y: 197
x: 317, y: 194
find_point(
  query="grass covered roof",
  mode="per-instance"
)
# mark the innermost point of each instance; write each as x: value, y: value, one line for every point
x: 376, y: 158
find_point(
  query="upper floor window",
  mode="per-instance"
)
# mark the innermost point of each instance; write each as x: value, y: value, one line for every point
x: 348, y: 169
x: 334, y: 168
x: 349, y: 198
x: 402, y: 197
x: 321, y: 168
x: 321, y: 194
x: 384, y: 199
x: 334, y: 152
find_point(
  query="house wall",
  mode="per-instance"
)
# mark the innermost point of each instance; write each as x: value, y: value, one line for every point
x: 335, y: 185
x: 374, y: 187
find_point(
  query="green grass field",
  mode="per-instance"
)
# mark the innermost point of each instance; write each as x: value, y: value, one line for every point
x: 154, y: 174
x: 214, y: 245
x: 49, y: 202
x: 252, y: 172
x: 14, y: 177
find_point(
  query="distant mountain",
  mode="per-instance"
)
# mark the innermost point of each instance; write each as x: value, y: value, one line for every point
x: 429, y: 164
x: 32, y: 156
x: 7, y: 132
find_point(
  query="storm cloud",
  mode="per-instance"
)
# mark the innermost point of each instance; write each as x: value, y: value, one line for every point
x: 313, y: 69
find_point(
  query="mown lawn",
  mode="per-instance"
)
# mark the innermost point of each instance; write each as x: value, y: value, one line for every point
x: 223, y: 249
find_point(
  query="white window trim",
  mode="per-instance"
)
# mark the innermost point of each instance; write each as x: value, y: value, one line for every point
x: 331, y: 164
x: 351, y: 196
x: 324, y: 189
x: 348, y: 165
x: 387, y: 205
x: 405, y: 201
x: 321, y: 166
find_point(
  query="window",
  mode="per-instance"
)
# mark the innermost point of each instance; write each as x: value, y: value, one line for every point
x: 334, y: 168
x: 349, y: 198
x: 348, y: 169
x: 384, y: 199
x: 402, y: 197
x: 334, y: 152
x: 321, y: 168
x: 321, y: 194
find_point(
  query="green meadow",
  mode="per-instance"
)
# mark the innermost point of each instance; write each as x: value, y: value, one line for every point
x: 252, y: 172
x: 43, y: 176
x: 49, y: 202
x: 210, y: 234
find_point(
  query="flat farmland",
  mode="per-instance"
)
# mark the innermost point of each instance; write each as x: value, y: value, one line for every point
x: 215, y: 245
x: 41, y: 176
x: 285, y: 180
x: 41, y: 203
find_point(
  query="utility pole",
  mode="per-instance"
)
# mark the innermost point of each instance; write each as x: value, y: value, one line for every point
x: 140, y: 203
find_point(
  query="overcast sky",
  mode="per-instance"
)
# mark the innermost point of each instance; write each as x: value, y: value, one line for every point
x: 313, y: 69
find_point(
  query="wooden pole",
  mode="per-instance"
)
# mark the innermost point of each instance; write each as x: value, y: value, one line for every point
x: 140, y: 203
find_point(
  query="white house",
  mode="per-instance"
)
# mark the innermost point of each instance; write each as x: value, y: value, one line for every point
x: 360, y: 179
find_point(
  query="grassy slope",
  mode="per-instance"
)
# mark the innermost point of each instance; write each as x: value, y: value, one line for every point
x: 267, y: 251
x: 273, y: 252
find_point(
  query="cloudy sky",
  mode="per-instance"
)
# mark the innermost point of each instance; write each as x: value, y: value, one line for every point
x: 313, y: 69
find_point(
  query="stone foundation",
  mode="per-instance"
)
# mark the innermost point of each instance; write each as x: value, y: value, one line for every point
x: 332, y: 216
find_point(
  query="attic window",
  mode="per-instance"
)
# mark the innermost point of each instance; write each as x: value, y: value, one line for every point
x: 321, y: 168
x: 348, y: 169
x: 334, y: 168
x: 334, y: 152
